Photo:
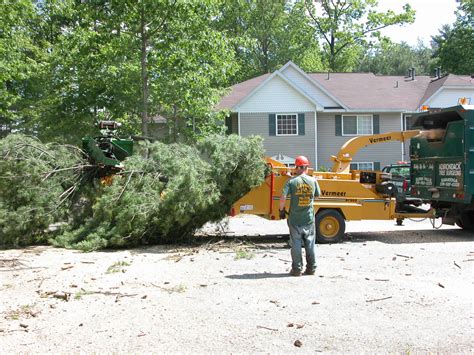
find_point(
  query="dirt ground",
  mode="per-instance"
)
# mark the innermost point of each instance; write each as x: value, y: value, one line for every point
x: 384, y: 289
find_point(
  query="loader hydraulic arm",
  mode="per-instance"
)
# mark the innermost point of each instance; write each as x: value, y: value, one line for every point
x: 344, y: 157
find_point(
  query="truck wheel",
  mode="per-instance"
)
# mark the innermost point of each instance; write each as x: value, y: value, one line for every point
x: 466, y: 220
x: 330, y: 226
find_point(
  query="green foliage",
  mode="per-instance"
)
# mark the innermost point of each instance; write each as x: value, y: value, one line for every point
x: 244, y: 254
x: 345, y: 27
x: 81, y: 293
x: 204, y: 181
x: 21, y: 60
x: 35, y: 183
x: 454, y: 45
x: 67, y: 64
x: 236, y: 166
x: 390, y: 58
x: 64, y: 65
x: 266, y: 35
x: 42, y: 184
x: 117, y: 267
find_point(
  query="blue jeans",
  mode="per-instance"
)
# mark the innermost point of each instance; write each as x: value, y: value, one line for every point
x: 303, y: 236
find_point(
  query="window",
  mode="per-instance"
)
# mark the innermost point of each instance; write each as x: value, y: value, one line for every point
x: 408, y: 122
x: 287, y: 125
x: 400, y: 170
x: 354, y: 125
x: 4, y: 129
x: 362, y: 166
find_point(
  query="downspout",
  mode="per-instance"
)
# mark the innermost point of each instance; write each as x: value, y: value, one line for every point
x: 316, y: 165
x: 238, y: 123
x: 403, y: 142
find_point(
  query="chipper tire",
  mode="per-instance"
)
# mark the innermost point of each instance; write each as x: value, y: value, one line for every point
x: 330, y: 226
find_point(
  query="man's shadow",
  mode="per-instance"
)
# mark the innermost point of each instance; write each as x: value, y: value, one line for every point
x: 265, y: 275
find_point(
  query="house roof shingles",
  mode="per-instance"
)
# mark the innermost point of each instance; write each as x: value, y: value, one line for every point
x: 364, y: 90
x: 369, y: 91
x: 448, y: 80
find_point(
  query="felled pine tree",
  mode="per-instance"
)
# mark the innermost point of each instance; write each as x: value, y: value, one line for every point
x: 203, y: 181
x: 36, y: 184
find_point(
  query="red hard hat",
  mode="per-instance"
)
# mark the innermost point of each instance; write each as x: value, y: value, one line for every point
x: 301, y: 161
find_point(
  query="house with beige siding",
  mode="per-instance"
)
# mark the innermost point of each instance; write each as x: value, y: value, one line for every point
x: 314, y: 114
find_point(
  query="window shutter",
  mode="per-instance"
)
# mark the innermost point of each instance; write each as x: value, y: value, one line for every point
x: 338, y: 125
x: 376, y: 123
x: 301, y: 124
x: 272, y: 124
x: 228, y: 124
x: 376, y: 165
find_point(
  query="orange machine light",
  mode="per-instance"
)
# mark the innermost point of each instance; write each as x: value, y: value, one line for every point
x: 106, y: 180
x: 425, y: 108
x: 464, y: 101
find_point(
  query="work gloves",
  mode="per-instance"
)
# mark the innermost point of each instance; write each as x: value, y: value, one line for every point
x: 282, y: 214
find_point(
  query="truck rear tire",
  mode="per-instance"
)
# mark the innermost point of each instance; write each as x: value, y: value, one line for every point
x: 330, y: 226
x: 466, y: 220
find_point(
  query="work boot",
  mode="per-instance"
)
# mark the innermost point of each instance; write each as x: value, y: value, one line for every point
x: 294, y: 272
x: 309, y: 272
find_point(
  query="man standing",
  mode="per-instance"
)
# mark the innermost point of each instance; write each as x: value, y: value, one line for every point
x: 302, y: 190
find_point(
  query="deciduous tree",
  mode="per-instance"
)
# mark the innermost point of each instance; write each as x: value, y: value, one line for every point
x: 454, y: 44
x: 21, y: 59
x: 344, y: 27
x: 267, y: 34
x: 388, y: 58
x: 127, y: 60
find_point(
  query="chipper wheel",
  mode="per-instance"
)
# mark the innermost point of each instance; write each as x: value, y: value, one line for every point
x: 330, y: 226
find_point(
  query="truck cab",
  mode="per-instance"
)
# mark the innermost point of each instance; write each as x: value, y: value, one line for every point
x: 400, y: 176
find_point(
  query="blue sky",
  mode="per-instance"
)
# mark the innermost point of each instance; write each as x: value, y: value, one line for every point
x: 430, y: 16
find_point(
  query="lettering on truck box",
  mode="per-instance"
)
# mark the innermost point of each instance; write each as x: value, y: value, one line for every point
x: 424, y: 181
x: 423, y: 166
x: 425, y: 169
x: 450, y: 174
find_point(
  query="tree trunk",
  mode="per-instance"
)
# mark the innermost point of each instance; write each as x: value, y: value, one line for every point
x: 175, y: 124
x: 332, y: 55
x: 144, y: 74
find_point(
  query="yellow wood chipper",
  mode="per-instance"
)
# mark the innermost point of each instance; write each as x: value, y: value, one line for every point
x: 346, y: 195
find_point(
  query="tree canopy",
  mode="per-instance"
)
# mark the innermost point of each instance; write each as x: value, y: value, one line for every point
x: 388, y: 58
x: 453, y: 46
x: 130, y: 60
x: 66, y: 64
x: 344, y: 26
x: 267, y: 34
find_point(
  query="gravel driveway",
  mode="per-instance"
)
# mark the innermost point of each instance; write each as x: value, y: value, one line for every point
x: 385, y: 289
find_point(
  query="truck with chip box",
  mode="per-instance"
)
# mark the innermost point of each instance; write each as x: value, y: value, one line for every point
x: 442, y: 163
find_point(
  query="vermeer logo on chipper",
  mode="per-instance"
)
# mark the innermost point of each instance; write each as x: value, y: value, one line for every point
x: 333, y: 193
x: 380, y: 139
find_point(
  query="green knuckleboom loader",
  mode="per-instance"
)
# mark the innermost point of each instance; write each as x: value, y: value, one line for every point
x: 107, y: 151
